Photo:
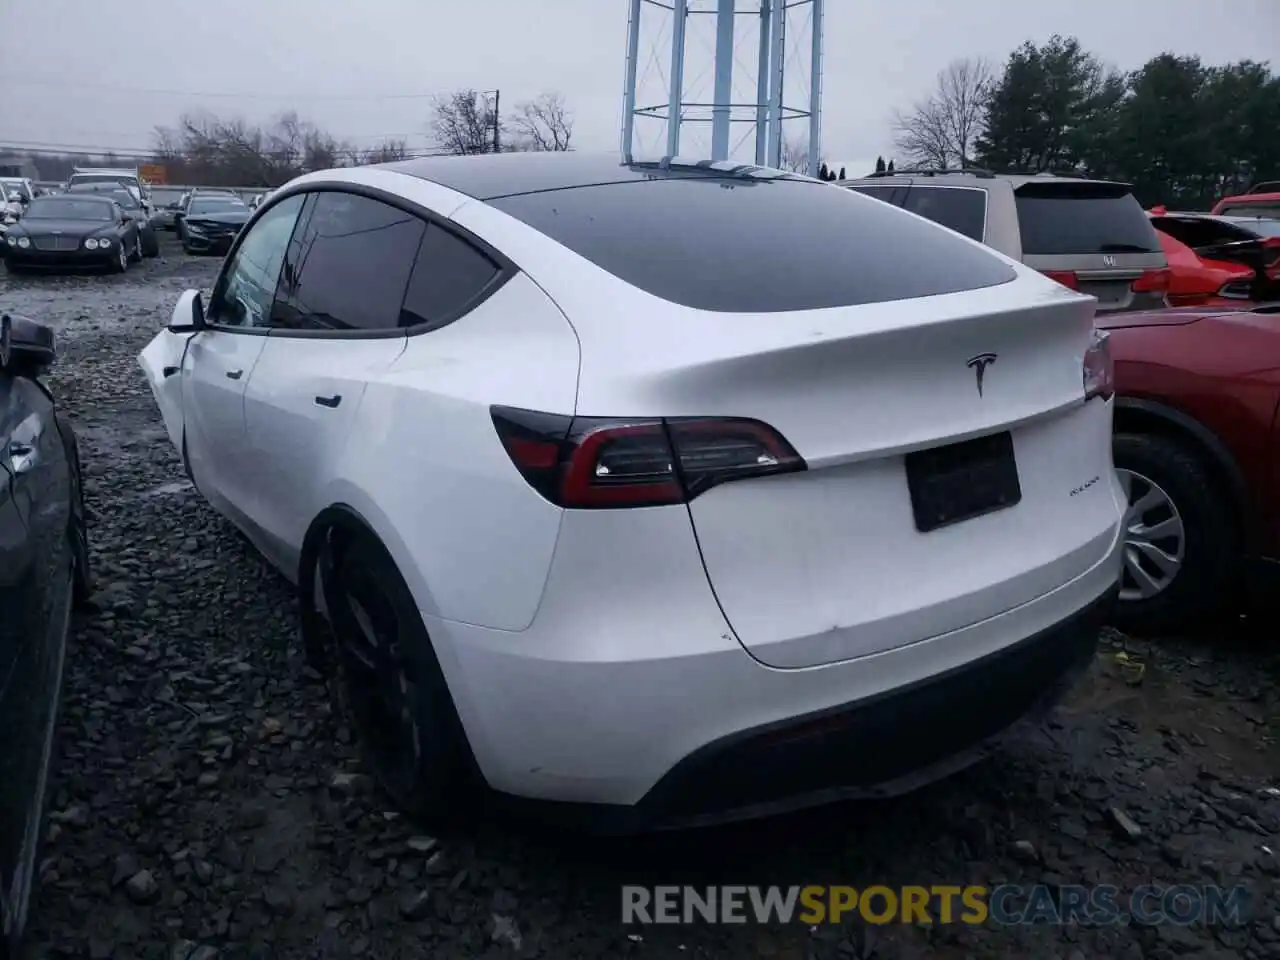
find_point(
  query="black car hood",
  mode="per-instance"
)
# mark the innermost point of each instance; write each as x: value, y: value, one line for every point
x: 71, y: 228
x: 233, y: 217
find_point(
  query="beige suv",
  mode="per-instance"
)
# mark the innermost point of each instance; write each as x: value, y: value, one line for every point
x: 1091, y: 235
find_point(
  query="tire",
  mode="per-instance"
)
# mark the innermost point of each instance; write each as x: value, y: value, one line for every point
x: 135, y: 255
x: 1209, y: 550
x: 393, y: 694
x: 121, y: 262
x: 151, y: 244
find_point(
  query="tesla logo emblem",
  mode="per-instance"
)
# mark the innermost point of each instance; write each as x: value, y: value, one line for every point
x: 1108, y: 261
x: 979, y: 366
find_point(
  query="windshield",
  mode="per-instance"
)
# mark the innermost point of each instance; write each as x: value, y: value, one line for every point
x: 215, y: 205
x: 65, y: 208
x: 123, y: 197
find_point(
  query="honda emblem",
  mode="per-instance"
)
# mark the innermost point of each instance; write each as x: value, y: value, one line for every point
x: 1108, y: 260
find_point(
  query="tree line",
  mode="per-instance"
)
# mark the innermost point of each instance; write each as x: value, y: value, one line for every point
x: 1182, y: 132
x: 205, y: 148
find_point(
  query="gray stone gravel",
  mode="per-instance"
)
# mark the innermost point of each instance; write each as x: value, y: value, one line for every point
x: 204, y: 806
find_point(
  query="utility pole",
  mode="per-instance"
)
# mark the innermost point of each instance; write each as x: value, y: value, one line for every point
x: 497, y: 123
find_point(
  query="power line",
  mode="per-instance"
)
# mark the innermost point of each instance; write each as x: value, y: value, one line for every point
x: 27, y: 80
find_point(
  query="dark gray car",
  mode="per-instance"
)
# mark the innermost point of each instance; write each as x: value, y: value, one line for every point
x: 44, y: 569
x: 1091, y: 235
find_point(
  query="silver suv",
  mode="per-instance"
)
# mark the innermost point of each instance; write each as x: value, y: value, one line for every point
x: 1091, y: 235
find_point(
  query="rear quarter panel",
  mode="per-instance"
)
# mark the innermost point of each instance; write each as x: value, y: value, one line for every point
x: 1224, y: 372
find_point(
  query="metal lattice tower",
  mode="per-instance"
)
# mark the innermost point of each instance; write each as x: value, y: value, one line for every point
x: 788, y: 66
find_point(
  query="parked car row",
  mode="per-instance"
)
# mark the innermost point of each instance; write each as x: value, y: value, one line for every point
x: 787, y: 527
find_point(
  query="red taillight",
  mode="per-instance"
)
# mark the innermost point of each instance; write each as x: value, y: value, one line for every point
x: 593, y: 463
x: 1065, y: 277
x: 1152, y: 281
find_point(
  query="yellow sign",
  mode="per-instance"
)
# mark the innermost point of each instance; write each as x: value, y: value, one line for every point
x: 154, y: 173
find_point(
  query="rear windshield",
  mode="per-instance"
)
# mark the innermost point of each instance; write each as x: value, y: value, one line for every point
x: 738, y: 245
x: 880, y: 193
x: 1269, y: 208
x: 963, y: 209
x: 1057, y: 219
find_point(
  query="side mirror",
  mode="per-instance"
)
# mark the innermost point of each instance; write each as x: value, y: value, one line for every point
x: 26, y: 347
x: 188, y: 313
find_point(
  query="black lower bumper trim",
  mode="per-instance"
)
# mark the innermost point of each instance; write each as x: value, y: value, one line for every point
x: 879, y: 746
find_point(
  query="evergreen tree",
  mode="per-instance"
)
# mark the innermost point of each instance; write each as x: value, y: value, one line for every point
x: 889, y: 169
x: 842, y: 176
x: 879, y: 164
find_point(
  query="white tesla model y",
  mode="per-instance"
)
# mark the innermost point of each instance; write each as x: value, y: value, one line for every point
x: 658, y: 492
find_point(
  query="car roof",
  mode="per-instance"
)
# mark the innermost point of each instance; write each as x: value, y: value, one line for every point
x: 493, y: 175
x: 1016, y: 180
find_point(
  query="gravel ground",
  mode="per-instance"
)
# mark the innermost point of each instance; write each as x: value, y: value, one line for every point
x: 206, y: 803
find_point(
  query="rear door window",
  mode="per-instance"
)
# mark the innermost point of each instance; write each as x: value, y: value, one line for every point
x: 754, y: 245
x: 962, y: 209
x: 1082, y: 218
x: 348, y: 265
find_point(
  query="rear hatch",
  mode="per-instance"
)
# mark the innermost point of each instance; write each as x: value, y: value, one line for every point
x: 952, y: 468
x: 1094, y: 237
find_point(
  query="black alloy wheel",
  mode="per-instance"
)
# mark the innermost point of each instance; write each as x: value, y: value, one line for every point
x: 388, y: 683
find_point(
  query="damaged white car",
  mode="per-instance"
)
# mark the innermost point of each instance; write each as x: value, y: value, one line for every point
x: 657, y: 492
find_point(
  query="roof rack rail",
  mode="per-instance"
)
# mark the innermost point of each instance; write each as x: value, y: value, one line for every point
x: 1266, y: 186
x: 933, y: 172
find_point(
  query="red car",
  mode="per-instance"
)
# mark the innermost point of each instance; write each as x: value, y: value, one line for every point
x: 1217, y: 261
x: 1263, y: 200
x: 1198, y: 443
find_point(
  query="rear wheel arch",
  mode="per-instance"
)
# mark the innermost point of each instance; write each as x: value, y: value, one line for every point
x: 1135, y: 415
x: 349, y: 521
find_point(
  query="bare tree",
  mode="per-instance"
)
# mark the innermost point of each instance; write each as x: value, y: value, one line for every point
x: 941, y: 130
x: 464, y: 122
x: 386, y: 152
x: 543, y: 123
x: 794, y: 155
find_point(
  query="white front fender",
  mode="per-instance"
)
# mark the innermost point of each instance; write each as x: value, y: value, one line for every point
x: 161, y: 361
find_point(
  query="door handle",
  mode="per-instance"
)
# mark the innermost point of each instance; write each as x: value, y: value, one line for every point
x: 329, y: 401
x: 169, y: 371
x: 23, y: 457
x: 234, y: 374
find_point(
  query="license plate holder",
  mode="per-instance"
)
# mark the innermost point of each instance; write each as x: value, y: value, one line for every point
x: 961, y: 481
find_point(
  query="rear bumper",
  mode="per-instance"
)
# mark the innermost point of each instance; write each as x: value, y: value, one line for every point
x: 627, y: 709
x: 879, y: 747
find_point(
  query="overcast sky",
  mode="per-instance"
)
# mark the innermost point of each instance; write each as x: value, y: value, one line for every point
x: 85, y: 73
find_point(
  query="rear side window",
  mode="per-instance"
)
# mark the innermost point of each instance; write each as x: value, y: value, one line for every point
x: 347, y: 266
x: 962, y: 209
x: 449, y: 275
x: 738, y: 245
x: 1085, y: 218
